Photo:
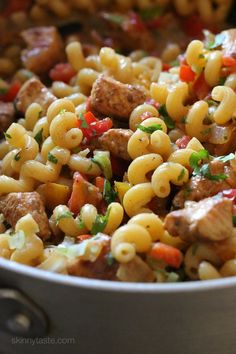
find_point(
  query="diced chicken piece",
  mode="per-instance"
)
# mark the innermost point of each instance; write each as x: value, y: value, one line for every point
x: 34, y: 91
x: 199, y: 188
x: 135, y: 271
x: 6, y: 115
x: 100, y: 269
x: 45, y: 49
x: 113, y: 98
x: 210, y: 219
x: 229, y: 43
x: 16, y: 205
x: 116, y: 141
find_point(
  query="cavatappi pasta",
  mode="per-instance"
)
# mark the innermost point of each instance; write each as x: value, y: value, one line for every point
x: 120, y: 159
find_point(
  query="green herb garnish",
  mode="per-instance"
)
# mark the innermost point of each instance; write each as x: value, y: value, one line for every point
x: 100, y: 223
x: 218, y: 41
x: 80, y: 224
x: 110, y: 259
x: 150, y: 129
x: 204, y: 171
x: 181, y: 175
x: 234, y: 220
x: 17, y: 156
x: 196, y: 158
x: 102, y: 159
x: 109, y: 195
x: 151, y: 12
x: 116, y: 19
x: 39, y: 136
x: 7, y: 136
x: 187, y: 191
x: 222, y: 81
x: 3, y: 90
x: 65, y: 215
x: 169, y: 122
x: 52, y: 158
x: 84, y: 124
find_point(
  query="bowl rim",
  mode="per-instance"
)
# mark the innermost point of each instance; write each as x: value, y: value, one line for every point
x: 115, y: 286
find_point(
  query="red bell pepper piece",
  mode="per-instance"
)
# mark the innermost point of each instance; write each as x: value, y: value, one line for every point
x: 186, y: 74
x: 62, y: 72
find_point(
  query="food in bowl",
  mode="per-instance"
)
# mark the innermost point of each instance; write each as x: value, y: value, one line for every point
x: 117, y: 164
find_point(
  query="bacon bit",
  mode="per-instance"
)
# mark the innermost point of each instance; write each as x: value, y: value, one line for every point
x: 183, y: 142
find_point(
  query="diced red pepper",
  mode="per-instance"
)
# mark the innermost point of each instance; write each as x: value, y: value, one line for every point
x: 229, y: 61
x: 183, y: 142
x: 11, y: 93
x: 165, y: 67
x: 99, y: 183
x: 83, y: 192
x: 62, y: 72
x: 186, y: 74
x: 101, y: 126
x: 201, y: 88
x: 170, y: 255
x: 91, y: 126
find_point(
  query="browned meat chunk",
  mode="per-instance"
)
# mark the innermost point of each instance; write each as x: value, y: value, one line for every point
x: 113, y: 98
x: 16, y: 205
x: 135, y: 271
x: 116, y: 141
x: 199, y: 188
x: 34, y: 91
x: 6, y: 115
x: 100, y: 269
x: 209, y: 219
x: 229, y: 43
x: 45, y: 49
